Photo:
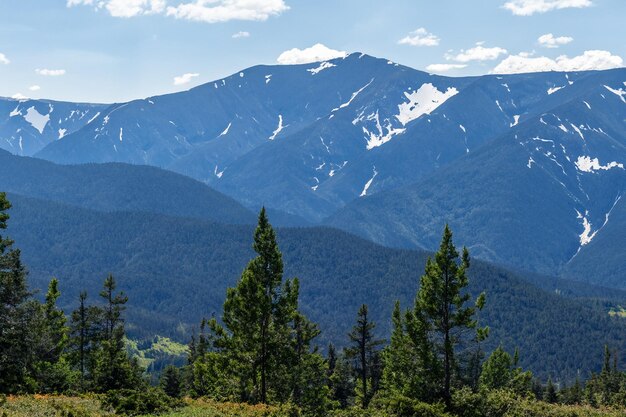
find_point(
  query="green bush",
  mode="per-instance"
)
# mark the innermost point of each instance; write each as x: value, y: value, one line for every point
x: 132, y: 403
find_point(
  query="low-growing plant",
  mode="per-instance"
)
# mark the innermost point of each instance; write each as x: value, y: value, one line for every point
x: 133, y: 403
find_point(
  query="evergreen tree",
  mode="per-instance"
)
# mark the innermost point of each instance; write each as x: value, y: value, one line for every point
x: 86, y: 334
x: 441, y: 300
x: 113, y: 368
x: 17, y: 314
x: 331, y: 359
x: 550, y: 395
x: 171, y: 381
x: 309, y: 378
x: 342, y: 386
x: 364, y: 352
x: 496, y: 372
x: 265, y: 340
x: 51, y: 370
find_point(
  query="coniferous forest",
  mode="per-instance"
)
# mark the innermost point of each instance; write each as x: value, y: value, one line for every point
x: 261, y: 354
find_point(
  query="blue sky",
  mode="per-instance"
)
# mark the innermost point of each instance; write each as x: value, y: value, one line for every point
x: 117, y: 50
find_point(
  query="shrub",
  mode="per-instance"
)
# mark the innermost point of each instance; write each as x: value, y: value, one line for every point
x: 131, y: 403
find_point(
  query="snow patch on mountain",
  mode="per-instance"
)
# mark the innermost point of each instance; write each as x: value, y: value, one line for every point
x: 36, y: 119
x: 354, y: 95
x: 621, y: 93
x: 368, y: 184
x: 321, y: 67
x: 554, y: 89
x: 225, y: 131
x: 422, y: 101
x: 379, y: 137
x: 587, y: 164
x: 586, y: 236
x: 279, y: 128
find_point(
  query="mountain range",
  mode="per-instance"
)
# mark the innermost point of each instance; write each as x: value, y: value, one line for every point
x: 527, y: 168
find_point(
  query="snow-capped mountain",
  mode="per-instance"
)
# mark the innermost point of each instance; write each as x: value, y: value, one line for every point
x: 27, y: 126
x: 535, y: 196
x: 517, y: 163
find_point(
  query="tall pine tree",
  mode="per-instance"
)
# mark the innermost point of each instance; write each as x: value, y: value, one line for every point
x: 114, y: 369
x: 441, y: 301
x: 17, y: 313
x: 364, y: 351
x: 265, y: 339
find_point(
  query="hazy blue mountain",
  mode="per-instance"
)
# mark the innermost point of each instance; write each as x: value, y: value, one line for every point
x: 535, y: 197
x: 526, y: 167
x: 119, y: 187
x: 27, y: 126
x: 308, y: 139
x: 176, y: 271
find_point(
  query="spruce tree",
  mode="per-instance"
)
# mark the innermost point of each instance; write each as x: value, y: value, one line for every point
x: 410, y: 366
x: 550, y: 395
x: 17, y: 313
x: 171, y: 381
x: 51, y: 369
x: 86, y: 335
x: 342, y: 386
x: 262, y: 324
x: 441, y: 301
x: 496, y: 372
x: 114, y: 369
x: 364, y: 351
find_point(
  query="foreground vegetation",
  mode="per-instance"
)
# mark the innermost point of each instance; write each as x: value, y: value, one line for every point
x: 500, y: 404
x: 260, y: 357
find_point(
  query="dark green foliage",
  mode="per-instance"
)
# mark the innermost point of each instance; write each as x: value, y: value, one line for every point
x: 342, y: 383
x: 550, y: 394
x: 130, y: 402
x: 440, y: 305
x: 171, y: 382
x: 263, y: 351
x: 500, y: 371
x: 338, y: 272
x: 85, y: 336
x: 364, y: 351
x: 52, y: 370
x: 18, y: 314
x: 113, y: 368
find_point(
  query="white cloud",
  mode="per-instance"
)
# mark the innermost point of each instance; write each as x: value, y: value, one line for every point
x: 530, y: 7
x: 34, y: 88
x: 212, y: 11
x: 420, y: 37
x: 477, y: 53
x: 185, y: 78
x: 550, y: 41
x: 589, y: 60
x: 4, y: 60
x: 317, y: 52
x: 242, y: 34
x: 19, y: 96
x: 444, y: 67
x: 50, y: 72
x: 123, y: 8
x: 130, y: 8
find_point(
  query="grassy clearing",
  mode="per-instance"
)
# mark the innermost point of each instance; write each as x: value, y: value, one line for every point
x: 52, y: 406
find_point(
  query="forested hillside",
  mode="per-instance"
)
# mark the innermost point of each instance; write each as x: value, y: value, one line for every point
x: 177, y: 271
